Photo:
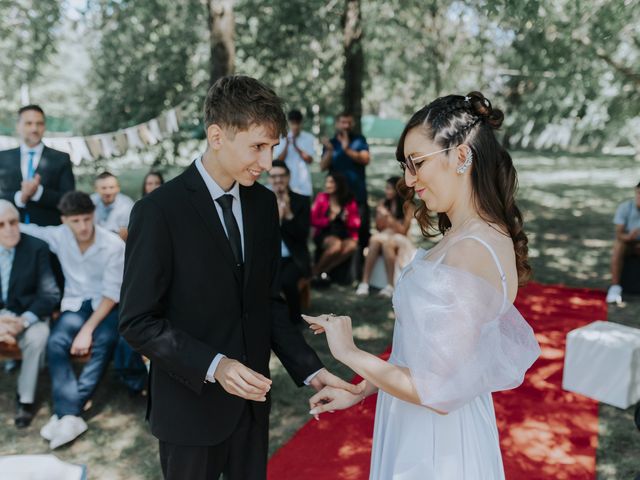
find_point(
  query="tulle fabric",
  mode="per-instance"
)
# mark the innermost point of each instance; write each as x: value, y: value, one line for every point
x: 458, y: 335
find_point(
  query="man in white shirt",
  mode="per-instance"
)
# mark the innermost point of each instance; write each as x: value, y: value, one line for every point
x: 112, y: 207
x: 92, y: 260
x: 296, y: 150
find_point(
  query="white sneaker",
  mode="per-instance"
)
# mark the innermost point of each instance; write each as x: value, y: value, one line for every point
x: 614, y: 295
x: 66, y: 430
x: 386, y: 291
x: 363, y: 289
x: 47, y: 430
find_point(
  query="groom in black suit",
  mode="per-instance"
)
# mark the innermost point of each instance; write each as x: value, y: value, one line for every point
x: 35, y: 177
x: 201, y: 295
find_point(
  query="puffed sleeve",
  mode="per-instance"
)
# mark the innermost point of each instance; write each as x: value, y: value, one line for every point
x: 456, y: 336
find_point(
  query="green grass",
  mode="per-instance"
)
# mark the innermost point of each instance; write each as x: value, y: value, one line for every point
x: 568, y: 203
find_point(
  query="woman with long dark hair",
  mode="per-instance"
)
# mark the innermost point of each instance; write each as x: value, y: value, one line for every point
x: 152, y: 180
x: 457, y: 336
x: 335, y: 218
x: 393, y: 220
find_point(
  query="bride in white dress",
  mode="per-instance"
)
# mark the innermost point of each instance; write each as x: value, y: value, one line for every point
x: 457, y: 335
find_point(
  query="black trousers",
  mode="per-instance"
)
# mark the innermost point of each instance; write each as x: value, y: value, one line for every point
x: 242, y: 456
x: 290, y: 273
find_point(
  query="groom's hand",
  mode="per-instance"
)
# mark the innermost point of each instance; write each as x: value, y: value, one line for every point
x: 324, y: 378
x: 238, y: 379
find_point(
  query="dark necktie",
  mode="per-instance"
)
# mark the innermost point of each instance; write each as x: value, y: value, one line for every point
x: 233, y: 232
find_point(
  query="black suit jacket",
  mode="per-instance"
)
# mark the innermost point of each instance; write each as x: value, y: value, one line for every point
x: 56, y: 177
x: 295, y: 232
x: 32, y: 285
x: 183, y: 301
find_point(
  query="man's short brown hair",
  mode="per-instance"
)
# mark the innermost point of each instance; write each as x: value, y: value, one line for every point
x: 237, y: 102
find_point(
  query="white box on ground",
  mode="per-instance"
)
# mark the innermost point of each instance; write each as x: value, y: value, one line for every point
x: 602, y: 361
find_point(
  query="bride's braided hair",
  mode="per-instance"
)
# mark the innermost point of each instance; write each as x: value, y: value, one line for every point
x: 453, y: 120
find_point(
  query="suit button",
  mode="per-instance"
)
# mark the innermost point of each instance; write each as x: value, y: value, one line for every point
x: 244, y: 357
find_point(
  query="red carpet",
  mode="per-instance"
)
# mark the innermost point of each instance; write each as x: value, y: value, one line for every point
x: 546, y: 433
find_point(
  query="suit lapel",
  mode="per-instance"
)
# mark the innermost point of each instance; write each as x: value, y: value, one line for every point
x: 44, y: 161
x: 249, y: 219
x: 202, y: 202
x: 15, y: 165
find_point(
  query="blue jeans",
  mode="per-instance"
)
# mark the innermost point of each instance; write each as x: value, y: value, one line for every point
x: 129, y: 367
x: 70, y: 393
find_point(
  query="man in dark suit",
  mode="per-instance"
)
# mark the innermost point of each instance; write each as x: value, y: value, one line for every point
x: 34, y: 177
x: 28, y: 296
x: 295, y: 222
x: 201, y: 295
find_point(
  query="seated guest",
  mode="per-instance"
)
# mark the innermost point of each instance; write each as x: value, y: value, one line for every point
x: 294, y: 210
x: 152, y: 180
x: 626, y: 242
x: 392, y: 223
x: 336, y: 220
x: 29, y: 296
x: 112, y: 207
x: 92, y: 260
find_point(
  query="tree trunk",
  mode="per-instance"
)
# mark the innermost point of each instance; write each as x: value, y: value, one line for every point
x: 353, y: 60
x: 221, y: 39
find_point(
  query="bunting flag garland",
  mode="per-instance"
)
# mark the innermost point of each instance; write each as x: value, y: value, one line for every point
x: 110, y: 144
x: 146, y: 135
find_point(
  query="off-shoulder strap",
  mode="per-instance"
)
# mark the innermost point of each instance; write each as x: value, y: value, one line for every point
x: 503, y: 277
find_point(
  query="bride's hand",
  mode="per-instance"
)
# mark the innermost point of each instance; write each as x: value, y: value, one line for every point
x: 330, y: 399
x: 339, y: 333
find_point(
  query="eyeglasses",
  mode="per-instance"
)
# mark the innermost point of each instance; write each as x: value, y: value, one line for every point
x: 410, y: 162
x: 276, y: 176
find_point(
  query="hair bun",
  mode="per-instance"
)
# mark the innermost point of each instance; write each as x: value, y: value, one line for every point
x: 481, y: 106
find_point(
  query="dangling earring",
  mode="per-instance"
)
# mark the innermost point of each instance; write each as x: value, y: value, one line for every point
x: 467, y: 162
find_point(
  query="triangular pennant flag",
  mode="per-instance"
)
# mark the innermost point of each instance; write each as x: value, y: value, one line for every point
x: 133, y: 138
x: 79, y: 150
x: 154, y: 128
x: 58, y: 143
x: 109, y: 148
x: 146, y: 135
x: 171, y: 121
x: 93, y: 143
x: 121, y: 141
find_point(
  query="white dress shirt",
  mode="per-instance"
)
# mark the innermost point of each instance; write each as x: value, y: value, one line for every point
x: 300, y: 181
x: 24, y: 168
x: 216, y: 191
x: 115, y: 216
x: 91, y: 275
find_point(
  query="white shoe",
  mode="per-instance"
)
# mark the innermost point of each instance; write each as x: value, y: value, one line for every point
x: 386, y: 291
x: 67, y: 430
x: 47, y: 430
x: 614, y: 295
x: 363, y: 289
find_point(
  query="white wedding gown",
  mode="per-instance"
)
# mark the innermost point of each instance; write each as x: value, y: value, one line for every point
x: 461, y: 340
